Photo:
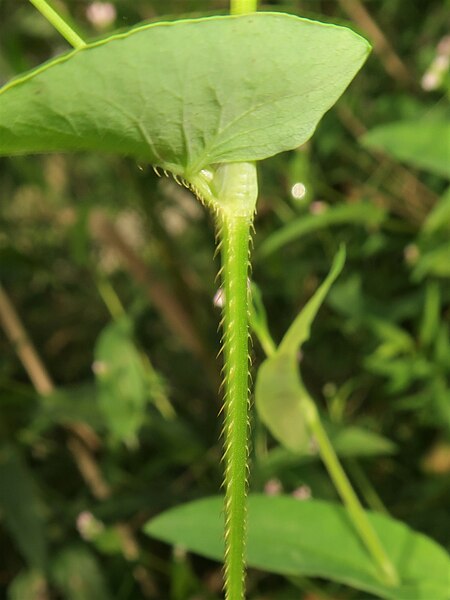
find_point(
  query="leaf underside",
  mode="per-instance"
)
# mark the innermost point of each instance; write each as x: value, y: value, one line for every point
x: 312, y: 538
x: 186, y: 94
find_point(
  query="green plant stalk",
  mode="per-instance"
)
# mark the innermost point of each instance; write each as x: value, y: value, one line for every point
x: 234, y: 234
x: 59, y: 23
x: 230, y: 191
x: 259, y: 326
x: 370, y: 494
x: 359, y: 518
x: 110, y: 298
x: 234, y: 224
x: 234, y: 237
x: 267, y: 343
x: 242, y: 7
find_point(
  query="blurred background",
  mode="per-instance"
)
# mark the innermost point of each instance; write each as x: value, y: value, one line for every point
x: 108, y: 325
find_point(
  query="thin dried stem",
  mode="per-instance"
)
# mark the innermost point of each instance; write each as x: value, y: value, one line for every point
x: 392, y: 63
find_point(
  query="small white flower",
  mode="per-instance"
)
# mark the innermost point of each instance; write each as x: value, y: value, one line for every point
x: 411, y: 254
x: 302, y: 493
x: 99, y: 367
x: 88, y: 526
x: 318, y: 207
x: 273, y: 487
x: 101, y: 14
x: 430, y: 81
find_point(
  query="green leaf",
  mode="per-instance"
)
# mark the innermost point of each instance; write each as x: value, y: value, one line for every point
x: 431, y: 317
x: 315, y: 539
x: 348, y: 441
x: 279, y: 402
x: 401, y: 372
x: 439, y: 217
x: 299, y: 332
x: 356, y: 441
x: 361, y: 213
x: 434, y: 261
x: 108, y: 541
x: 279, y: 393
x: 20, y: 508
x: 28, y: 585
x: 77, y: 573
x: 121, y: 380
x: 421, y: 144
x: 440, y: 403
x: 394, y: 341
x: 186, y: 94
x: 64, y: 406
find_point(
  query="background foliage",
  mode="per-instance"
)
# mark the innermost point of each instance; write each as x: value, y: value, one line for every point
x: 110, y: 271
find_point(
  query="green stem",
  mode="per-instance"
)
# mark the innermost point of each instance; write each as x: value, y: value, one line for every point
x: 237, y: 195
x: 370, y: 494
x: 265, y: 339
x: 110, y: 298
x: 242, y: 7
x: 359, y: 518
x: 235, y: 233
x: 258, y: 323
x: 59, y: 23
x: 230, y: 191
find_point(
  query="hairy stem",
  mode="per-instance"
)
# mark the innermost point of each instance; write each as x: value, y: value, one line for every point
x: 230, y: 191
x: 359, y: 518
x: 235, y: 237
x: 59, y: 23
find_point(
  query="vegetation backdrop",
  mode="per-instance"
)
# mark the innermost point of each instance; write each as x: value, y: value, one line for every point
x: 104, y: 263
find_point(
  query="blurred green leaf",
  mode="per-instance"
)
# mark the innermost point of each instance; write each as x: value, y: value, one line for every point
x: 20, y: 507
x: 431, y: 404
x: 358, y: 442
x: 77, y: 574
x: 394, y: 340
x: 278, y: 391
x: 358, y: 213
x: 65, y: 406
x: 279, y: 402
x: 429, y: 327
x: 184, y: 583
x: 440, y: 402
x: 242, y: 89
x: 434, y: 261
x: 28, y: 585
x: 442, y: 346
x: 439, y: 217
x: 347, y: 297
x: 108, y: 541
x: 121, y: 379
x: 349, y: 441
x: 312, y: 538
x: 421, y: 144
x: 400, y: 372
